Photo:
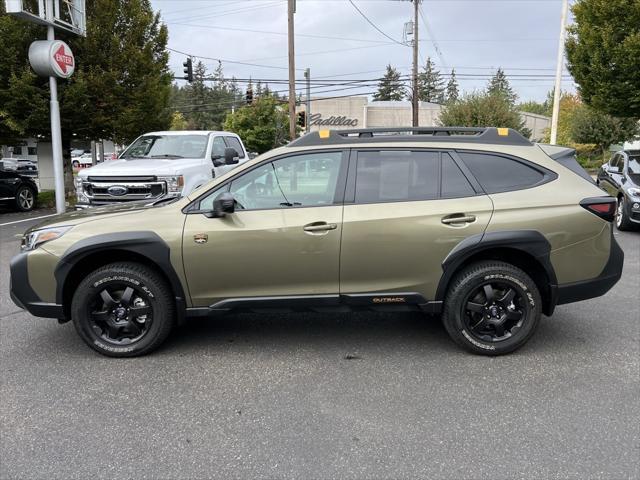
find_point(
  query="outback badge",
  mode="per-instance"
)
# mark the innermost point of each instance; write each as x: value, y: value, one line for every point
x: 201, y: 238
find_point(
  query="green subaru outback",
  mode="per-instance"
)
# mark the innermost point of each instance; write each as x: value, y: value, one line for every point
x: 478, y: 225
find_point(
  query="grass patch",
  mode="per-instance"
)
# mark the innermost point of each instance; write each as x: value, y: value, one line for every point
x: 47, y: 199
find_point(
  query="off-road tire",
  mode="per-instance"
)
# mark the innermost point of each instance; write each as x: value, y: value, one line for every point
x: 137, y: 276
x: 474, y: 277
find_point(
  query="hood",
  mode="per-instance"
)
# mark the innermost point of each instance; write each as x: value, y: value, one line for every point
x: 120, y: 167
x: 96, y: 213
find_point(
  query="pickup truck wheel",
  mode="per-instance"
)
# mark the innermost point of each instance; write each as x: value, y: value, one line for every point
x: 123, y: 310
x: 492, y: 308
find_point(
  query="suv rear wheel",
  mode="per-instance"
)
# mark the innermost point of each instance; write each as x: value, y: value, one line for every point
x: 123, y: 310
x: 492, y: 308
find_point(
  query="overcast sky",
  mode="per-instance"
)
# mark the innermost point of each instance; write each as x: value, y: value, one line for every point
x: 473, y: 36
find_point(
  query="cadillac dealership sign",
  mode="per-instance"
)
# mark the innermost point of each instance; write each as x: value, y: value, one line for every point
x: 52, y: 58
x: 333, y: 121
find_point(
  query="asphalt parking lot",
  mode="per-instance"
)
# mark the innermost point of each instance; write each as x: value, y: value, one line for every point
x: 316, y: 396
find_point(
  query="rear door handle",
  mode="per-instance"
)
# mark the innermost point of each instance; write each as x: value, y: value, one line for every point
x: 458, y: 219
x: 319, y: 227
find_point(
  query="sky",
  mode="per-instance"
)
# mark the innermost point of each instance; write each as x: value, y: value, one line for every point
x: 336, y: 42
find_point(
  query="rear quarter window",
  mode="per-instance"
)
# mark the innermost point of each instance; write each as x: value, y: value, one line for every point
x: 496, y: 173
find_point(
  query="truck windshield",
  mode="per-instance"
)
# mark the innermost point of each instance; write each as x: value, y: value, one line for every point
x: 167, y: 146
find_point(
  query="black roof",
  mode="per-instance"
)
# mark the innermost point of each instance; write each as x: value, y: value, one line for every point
x: 490, y: 135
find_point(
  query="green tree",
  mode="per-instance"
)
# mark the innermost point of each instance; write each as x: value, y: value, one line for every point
x: 178, y: 122
x: 535, y: 107
x: 430, y: 84
x: 603, y: 54
x: 592, y: 126
x: 262, y: 126
x: 390, y: 86
x: 499, y: 85
x: 481, y: 109
x: 453, y: 89
x: 121, y: 86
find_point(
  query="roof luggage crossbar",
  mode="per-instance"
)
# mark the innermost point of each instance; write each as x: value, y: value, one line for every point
x: 491, y: 135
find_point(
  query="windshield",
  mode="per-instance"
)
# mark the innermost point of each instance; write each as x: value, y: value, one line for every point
x: 167, y: 146
x: 634, y: 164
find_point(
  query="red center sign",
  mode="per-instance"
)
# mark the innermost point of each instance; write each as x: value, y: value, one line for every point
x: 52, y: 58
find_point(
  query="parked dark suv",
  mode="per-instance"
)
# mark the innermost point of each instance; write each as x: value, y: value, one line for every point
x: 620, y: 177
x: 18, y: 191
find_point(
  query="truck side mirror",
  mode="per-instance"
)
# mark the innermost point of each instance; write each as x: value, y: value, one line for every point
x: 231, y: 157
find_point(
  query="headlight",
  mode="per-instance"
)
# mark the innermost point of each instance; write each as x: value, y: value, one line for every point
x: 634, y: 192
x: 174, y: 184
x: 34, y: 239
x: 80, y: 195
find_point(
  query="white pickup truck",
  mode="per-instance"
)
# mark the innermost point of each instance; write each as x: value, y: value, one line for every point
x: 160, y: 164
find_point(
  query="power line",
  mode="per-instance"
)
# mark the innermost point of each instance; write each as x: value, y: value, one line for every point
x: 226, y: 61
x: 374, y: 25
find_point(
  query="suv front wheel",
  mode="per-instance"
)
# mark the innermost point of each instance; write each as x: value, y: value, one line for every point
x: 123, y: 310
x: 492, y: 308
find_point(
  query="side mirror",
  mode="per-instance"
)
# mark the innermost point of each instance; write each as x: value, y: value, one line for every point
x: 222, y: 205
x: 218, y: 160
x: 231, y: 157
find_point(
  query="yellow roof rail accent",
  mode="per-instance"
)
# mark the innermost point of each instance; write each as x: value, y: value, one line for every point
x: 503, y: 132
x: 324, y: 133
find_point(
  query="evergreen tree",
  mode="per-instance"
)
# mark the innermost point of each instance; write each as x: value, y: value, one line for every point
x: 499, y: 85
x: 390, y: 86
x: 121, y: 86
x: 453, y: 91
x: 430, y: 84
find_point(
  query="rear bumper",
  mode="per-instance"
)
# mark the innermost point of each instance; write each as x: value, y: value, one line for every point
x: 594, y: 287
x: 23, y: 295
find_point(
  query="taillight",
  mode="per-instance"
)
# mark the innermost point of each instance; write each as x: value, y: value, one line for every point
x: 604, y: 207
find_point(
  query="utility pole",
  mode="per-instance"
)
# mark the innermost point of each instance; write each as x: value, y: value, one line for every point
x: 291, y: 10
x: 559, y: 65
x: 307, y: 75
x: 56, y: 135
x: 414, y: 97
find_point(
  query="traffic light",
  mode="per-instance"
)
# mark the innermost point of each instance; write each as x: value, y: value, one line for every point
x: 249, y: 96
x: 302, y: 119
x: 188, y: 70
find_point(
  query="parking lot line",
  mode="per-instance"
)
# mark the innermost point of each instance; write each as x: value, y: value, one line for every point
x: 27, y: 219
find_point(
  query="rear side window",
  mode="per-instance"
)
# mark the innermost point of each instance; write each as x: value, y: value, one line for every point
x: 454, y: 183
x: 500, y: 174
x: 396, y: 176
x: 233, y: 142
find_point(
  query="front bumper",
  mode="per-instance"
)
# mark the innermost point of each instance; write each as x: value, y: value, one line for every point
x: 594, y: 287
x: 23, y: 295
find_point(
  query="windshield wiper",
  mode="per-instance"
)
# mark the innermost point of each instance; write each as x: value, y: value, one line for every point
x: 167, y: 155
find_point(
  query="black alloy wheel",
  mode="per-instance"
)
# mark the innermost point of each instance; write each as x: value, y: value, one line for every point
x: 494, y: 312
x: 120, y: 314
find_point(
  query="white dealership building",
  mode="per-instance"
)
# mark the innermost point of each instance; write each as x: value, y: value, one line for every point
x: 359, y: 112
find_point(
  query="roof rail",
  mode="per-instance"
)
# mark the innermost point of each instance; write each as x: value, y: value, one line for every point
x: 491, y: 135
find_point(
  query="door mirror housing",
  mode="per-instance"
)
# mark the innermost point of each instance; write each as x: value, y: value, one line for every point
x: 223, y: 205
x: 231, y: 157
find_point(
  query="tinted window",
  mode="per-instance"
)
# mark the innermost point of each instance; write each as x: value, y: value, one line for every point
x: 395, y: 176
x: 32, y: 150
x: 296, y: 181
x: 499, y: 174
x: 616, y: 161
x: 233, y: 142
x: 454, y: 183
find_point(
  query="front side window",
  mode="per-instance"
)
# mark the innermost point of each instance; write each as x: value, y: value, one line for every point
x: 234, y: 143
x: 396, y: 176
x: 500, y: 174
x: 307, y: 180
x: 217, y: 149
x: 167, y: 147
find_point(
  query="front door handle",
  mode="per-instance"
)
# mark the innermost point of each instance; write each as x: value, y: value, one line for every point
x: 319, y: 227
x: 458, y: 218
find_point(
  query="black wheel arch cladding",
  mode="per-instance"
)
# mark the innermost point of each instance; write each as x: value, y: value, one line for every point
x: 145, y: 244
x: 531, y: 242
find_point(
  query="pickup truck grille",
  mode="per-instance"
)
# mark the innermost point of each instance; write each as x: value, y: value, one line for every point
x: 122, y: 189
